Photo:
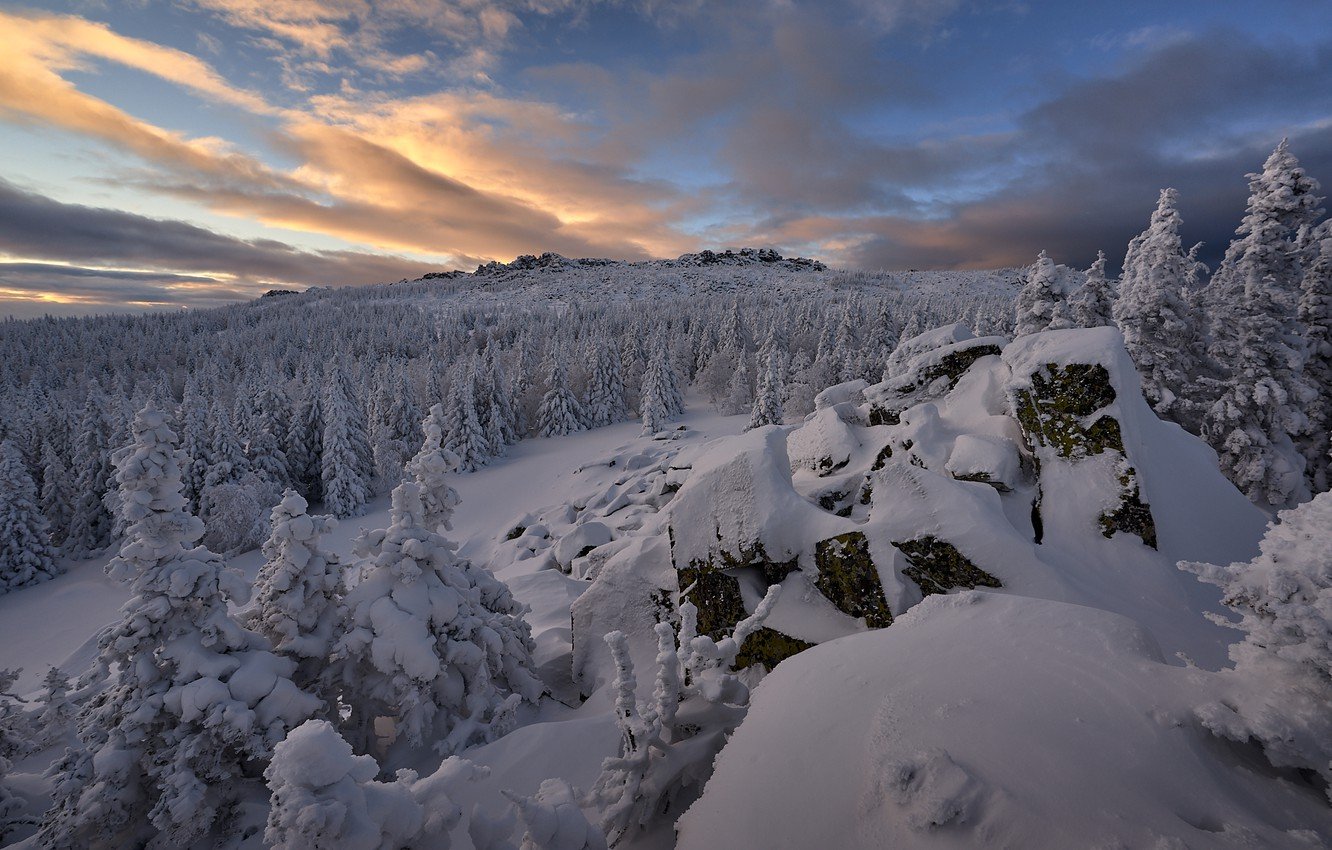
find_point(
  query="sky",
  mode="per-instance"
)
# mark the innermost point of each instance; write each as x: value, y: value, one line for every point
x: 168, y: 154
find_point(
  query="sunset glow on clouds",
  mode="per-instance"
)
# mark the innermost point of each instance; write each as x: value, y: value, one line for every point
x: 196, y: 152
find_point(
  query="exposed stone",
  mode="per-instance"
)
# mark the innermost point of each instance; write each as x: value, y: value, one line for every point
x: 849, y: 579
x: 1133, y: 516
x: 768, y: 647
x: 937, y: 566
x: 881, y: 458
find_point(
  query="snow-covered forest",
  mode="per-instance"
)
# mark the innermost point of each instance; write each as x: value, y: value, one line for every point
x: 732, y: 550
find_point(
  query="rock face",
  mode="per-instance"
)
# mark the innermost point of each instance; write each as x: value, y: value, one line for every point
x: 1031, y: 467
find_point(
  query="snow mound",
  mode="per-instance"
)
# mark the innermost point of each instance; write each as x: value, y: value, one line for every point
x: 988, y: 720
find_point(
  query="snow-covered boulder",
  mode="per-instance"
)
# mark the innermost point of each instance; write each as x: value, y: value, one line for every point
x: 985, y: 458
x: 849, y: 391
x: 988, y: 720
x: 911, y: 347
x: 824, y: 444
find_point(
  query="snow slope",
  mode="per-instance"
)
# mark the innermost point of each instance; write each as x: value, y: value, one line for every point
x: 980, y: 719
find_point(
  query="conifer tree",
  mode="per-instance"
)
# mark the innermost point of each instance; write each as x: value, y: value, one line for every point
x: 1039, y: 296
x: 605, y: 388
x: 90, y: 524
x: 191, y: 698
x: 1252, y: 423
x: 559, y: 413
x: 345, y: 448
x: 26, y: 554
x: 458, y: 667
x: 1156, y: 320
x: 298, y: 591
x: 1093, y: 303
x: 197, y: 443
x: 1315, y: 315
x: 305, y: 442
x: 768, y: 400
x: 56, y: 498
x: 430, y: 468
x: 464, y: 435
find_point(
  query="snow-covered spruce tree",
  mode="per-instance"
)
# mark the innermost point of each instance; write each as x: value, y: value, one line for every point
x: 464, y: 435
x: 298, y: 591
x: 325, y: 797
x: 1040, y: 293
x: 13, y: 812
x: 667, y: 747
x: 653, y: 405
x: 18, y: 738
x: 505, y: 408
x: 1093, y: 303
x: 305, y: 443
x: 196, y: 436
x: 559, y: 413
x: 1315, y: 315
x: 1157, y: 321
x: 605, y: 388
x: 263, y: 446
x: 192, y: 701
x: 1283, y: 201
x: 1252, y: 423
x: 740, y: 393
x: 430, y: 468
x: 56, y: 711
x: 26, y: 554
x: 55, y: 497
x: 1281, y: 685
x: 768, y: 400
x: 345, y: 448
x: 90, y: 523
x: 421, y: 648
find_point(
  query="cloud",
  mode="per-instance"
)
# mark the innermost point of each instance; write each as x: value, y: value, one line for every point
x: 107, y: 257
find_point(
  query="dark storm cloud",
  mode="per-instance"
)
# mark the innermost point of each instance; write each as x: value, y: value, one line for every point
x: 1086, y: 166
x: 37, y: 227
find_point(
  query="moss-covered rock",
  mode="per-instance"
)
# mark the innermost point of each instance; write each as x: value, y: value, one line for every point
x: 849, y: 579
x: 768, y: 647
x: 1051, y: 413
x: 955, y: 364
x: 717, y: 597
x: 937, y: 566
x: 1133, y: 516
x: 720, y: 606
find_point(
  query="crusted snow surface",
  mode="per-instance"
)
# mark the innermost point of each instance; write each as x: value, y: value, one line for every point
x: 980, y: 719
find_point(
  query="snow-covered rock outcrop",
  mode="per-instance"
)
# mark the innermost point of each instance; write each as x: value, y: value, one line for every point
x: 1031, y: 467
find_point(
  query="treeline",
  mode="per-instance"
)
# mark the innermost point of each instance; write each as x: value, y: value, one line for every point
x: 324, y: 392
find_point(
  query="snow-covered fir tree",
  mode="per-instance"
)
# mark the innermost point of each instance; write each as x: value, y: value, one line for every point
x: 464, y: 435
x: 559, y: 413
x: 196, y: 440
x: 345, y: 448
x: 90, y: 523
x: 768, y: 399
x: 305, y: 443
x: 430, y: 469
x: 1252, y: 424
x: 605, y: 388
x: 298, y: 591
x: 1093, y: 303
x: 1281, y: 683
x: 26, y: 554
x: 1315, y: 315
x: 1283, y: 202
x: 740, y: 392
x: 57, y: 711
x: 422, y: 649
x: 1038, y: 298
x: 1157, y: 321
x: 191, y: 700
x: 56, y: 497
